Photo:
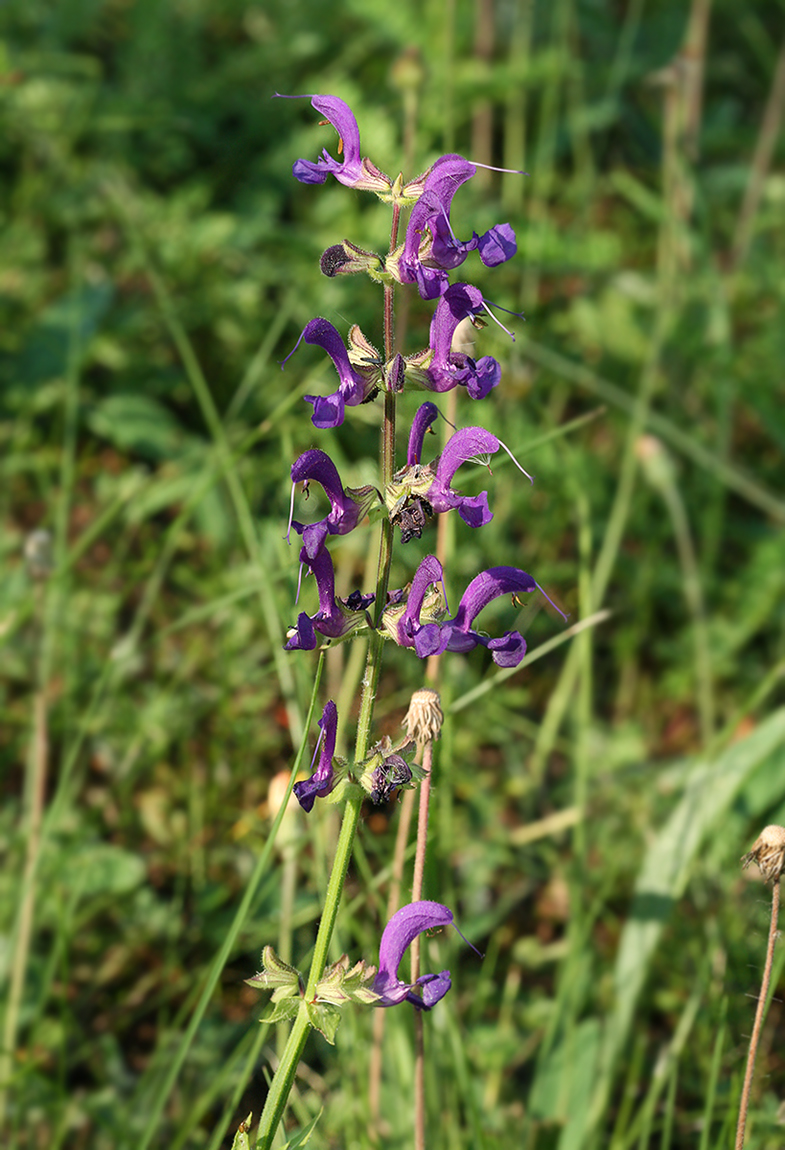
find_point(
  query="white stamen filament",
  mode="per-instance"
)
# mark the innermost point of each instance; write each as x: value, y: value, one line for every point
x: 515, y: 461
x: 291, y: 516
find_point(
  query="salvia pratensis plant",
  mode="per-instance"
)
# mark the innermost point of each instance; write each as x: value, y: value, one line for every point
x: 409, y: 497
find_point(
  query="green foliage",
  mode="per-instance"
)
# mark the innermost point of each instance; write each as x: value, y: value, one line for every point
x: 157, y: 260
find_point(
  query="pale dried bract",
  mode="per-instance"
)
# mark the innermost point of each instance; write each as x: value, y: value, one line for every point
x: 424, y: 718
x: 768, y: 852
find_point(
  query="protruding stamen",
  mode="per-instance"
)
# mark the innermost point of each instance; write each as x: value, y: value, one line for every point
x: 291, y: 516
x: 515, y: 461
x: 564, y: 617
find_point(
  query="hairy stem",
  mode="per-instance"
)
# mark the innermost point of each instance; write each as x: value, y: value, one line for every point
x: 759, y: 1013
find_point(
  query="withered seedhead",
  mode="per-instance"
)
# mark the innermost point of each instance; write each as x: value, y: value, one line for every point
x: 424, y: 718
x: 768, y: 852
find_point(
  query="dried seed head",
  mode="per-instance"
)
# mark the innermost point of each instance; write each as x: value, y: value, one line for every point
x: 424, y: 718
x: 768, y: 851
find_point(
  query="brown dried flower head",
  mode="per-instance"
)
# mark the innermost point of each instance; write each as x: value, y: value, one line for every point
x: 424, y: 718
x: 768, y: 851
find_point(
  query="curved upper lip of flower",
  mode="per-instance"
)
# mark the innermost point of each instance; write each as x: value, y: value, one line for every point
x: 352, y: 388
x: 347, y: 506
x: 320, y: 783
x: 351, y: 170
x: 398, y: 935
x: 335, y: 617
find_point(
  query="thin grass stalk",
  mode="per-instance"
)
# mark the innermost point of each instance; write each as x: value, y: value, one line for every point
x: 515, y: 138
x: 664, y: 1069
x: 46, y: 614
x: 761, y: 165
x: 711, y: 1092
x: 201, y: 390
x: 482, y: 110
x: 166, y: 1085
x: 683, y: 442
x: 670, y: 1109
x: 759, y: 1015
x: 544, y: 158
x: 693, y: 594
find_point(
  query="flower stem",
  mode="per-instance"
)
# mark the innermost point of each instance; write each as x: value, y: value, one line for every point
x: 764, y: 993
x: 283, y: 1080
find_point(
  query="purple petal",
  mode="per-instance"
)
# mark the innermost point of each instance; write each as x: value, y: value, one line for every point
x: 328, y: 410
x: 497, y: 245
x: 317, y: 465
x: 481, y: 377
x: 464, y: 445
x: 475, y: 511
x: 303, y: 636
x: 508, y: 649
x: 349, y: 169
x: 430, y: 571
x: 400, y: 932
x: 458, y: 302
x: 422, y: 421
x: 321, y: 781
x: 435, y: 986
x: 345, y: 512
x: 486, y: 587
x: 322, y: 333
x: 431, y: 639
x: 313, y: 535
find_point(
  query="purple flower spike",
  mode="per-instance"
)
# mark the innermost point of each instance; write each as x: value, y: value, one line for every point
x: 336, y: 618
x: 350, y: 170
x: 348, y: 506
x: 322, y: 780
x: 355, y: 386
x: 400, y: 932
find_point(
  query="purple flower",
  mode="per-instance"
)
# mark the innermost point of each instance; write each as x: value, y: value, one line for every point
x: 322, y: 779
x: 336, y: 618
x: 348, y: 505
x: 350, y: 170
x: 400, y: 932
x: 419, y: 491
x: 432, y: 635
x: 440, y: 368
x: 402, y: 618
x: 431, y: 249
x: 392, y: 772
x: 357, y: 384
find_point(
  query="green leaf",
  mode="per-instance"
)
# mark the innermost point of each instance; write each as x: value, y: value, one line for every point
x: 324, y: 1017
x: 303, y: 1136
x: 241, y: 1140
x: 281, y: 1011
x: 277, y: 975
x: 709, y: 790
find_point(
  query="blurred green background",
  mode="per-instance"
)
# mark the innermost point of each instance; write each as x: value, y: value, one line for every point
x: 157, y: 261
